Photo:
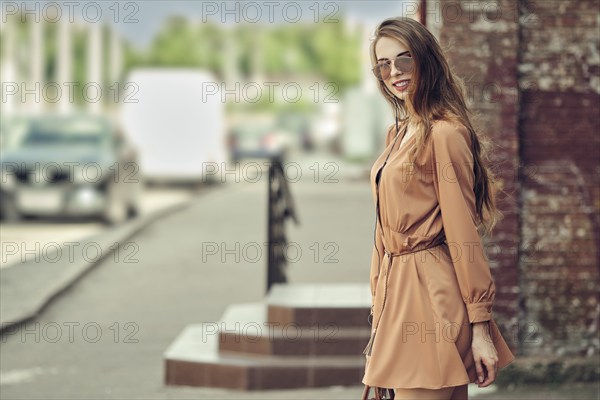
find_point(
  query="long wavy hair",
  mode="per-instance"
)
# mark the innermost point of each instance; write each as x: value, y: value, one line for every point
x: 438, y: 94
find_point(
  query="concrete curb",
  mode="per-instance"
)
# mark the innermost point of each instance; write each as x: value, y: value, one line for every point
x: 26, y: 289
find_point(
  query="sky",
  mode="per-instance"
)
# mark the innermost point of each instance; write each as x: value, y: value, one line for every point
x: 151, y: 14
x: 139, y: 20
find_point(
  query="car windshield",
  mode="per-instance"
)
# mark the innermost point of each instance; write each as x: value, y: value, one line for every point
x: 12, y: 132
x: 252, y: 131
x: 85, y: 132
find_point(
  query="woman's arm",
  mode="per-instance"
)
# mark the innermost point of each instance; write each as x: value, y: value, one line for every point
x: 453, y: 181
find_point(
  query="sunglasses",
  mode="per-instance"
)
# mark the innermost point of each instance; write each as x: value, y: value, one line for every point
x: 383, y: 69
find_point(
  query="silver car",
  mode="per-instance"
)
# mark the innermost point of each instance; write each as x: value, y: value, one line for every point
x: 67, y: 165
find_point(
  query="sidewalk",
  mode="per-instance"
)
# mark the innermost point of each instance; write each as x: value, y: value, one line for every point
x: 27, y: 287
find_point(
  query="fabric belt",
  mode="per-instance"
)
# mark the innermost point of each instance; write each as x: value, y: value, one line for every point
x: 416, y: 249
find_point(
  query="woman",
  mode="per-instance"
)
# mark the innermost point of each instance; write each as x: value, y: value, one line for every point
x: 431, y: 285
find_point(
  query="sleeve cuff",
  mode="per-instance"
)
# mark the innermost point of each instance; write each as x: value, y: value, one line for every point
x: 479, y: 312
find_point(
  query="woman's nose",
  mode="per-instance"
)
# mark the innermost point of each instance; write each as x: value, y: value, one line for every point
x: 394, y: 71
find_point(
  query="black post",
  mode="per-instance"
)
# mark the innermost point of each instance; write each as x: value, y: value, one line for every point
x: 280, y: 207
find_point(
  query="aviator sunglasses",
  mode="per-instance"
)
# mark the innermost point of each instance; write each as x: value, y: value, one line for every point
x: 382, y: 70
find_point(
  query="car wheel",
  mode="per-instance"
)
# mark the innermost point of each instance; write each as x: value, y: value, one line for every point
x: 135, y: 200
x: 133, y: 211
x: 10, y: 213
x: 116, y: 208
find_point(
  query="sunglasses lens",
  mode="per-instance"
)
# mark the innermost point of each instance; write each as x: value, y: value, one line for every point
x: 382, y: 71
x: 404, y: 64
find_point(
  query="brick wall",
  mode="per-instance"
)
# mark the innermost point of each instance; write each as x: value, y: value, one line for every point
x: 532, y: 72
x: 560, y: 142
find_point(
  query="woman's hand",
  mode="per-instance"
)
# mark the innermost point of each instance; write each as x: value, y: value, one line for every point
x: 485, y: 354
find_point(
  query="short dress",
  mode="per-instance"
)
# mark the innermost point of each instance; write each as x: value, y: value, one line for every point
x: 430, y: 278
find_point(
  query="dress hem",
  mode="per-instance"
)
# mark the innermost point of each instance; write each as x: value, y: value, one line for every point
x: 422, y: 387
x: 438, y: 387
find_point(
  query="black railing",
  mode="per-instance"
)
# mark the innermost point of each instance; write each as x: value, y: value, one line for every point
x: 281, y: 207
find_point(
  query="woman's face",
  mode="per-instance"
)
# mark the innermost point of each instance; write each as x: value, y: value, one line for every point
x: 388, y: 49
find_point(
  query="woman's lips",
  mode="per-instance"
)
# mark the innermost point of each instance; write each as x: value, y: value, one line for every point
x: 402, y: 86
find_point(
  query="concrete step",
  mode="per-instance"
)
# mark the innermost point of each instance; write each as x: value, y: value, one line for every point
x: 193, y: 359
x: 309, y: 305
x: 244, y: 329
x: 301, y: 336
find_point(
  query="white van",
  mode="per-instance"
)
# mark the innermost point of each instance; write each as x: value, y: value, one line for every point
x: 177, y: 125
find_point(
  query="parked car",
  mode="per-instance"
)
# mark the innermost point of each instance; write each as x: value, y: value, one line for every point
x: 68, y: 165
x: 299, y: 127
x: 257, y: 140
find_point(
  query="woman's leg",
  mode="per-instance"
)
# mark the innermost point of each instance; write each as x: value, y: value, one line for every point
x: 424, y: 394
x: 460, y: 392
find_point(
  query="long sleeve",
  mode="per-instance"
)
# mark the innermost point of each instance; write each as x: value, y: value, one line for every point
x: 454, y: 181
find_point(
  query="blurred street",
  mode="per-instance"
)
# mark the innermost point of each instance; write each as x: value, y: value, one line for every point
x: 169, y: 286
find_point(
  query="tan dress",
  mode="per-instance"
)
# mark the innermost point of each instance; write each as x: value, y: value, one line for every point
x: 430, y: 278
